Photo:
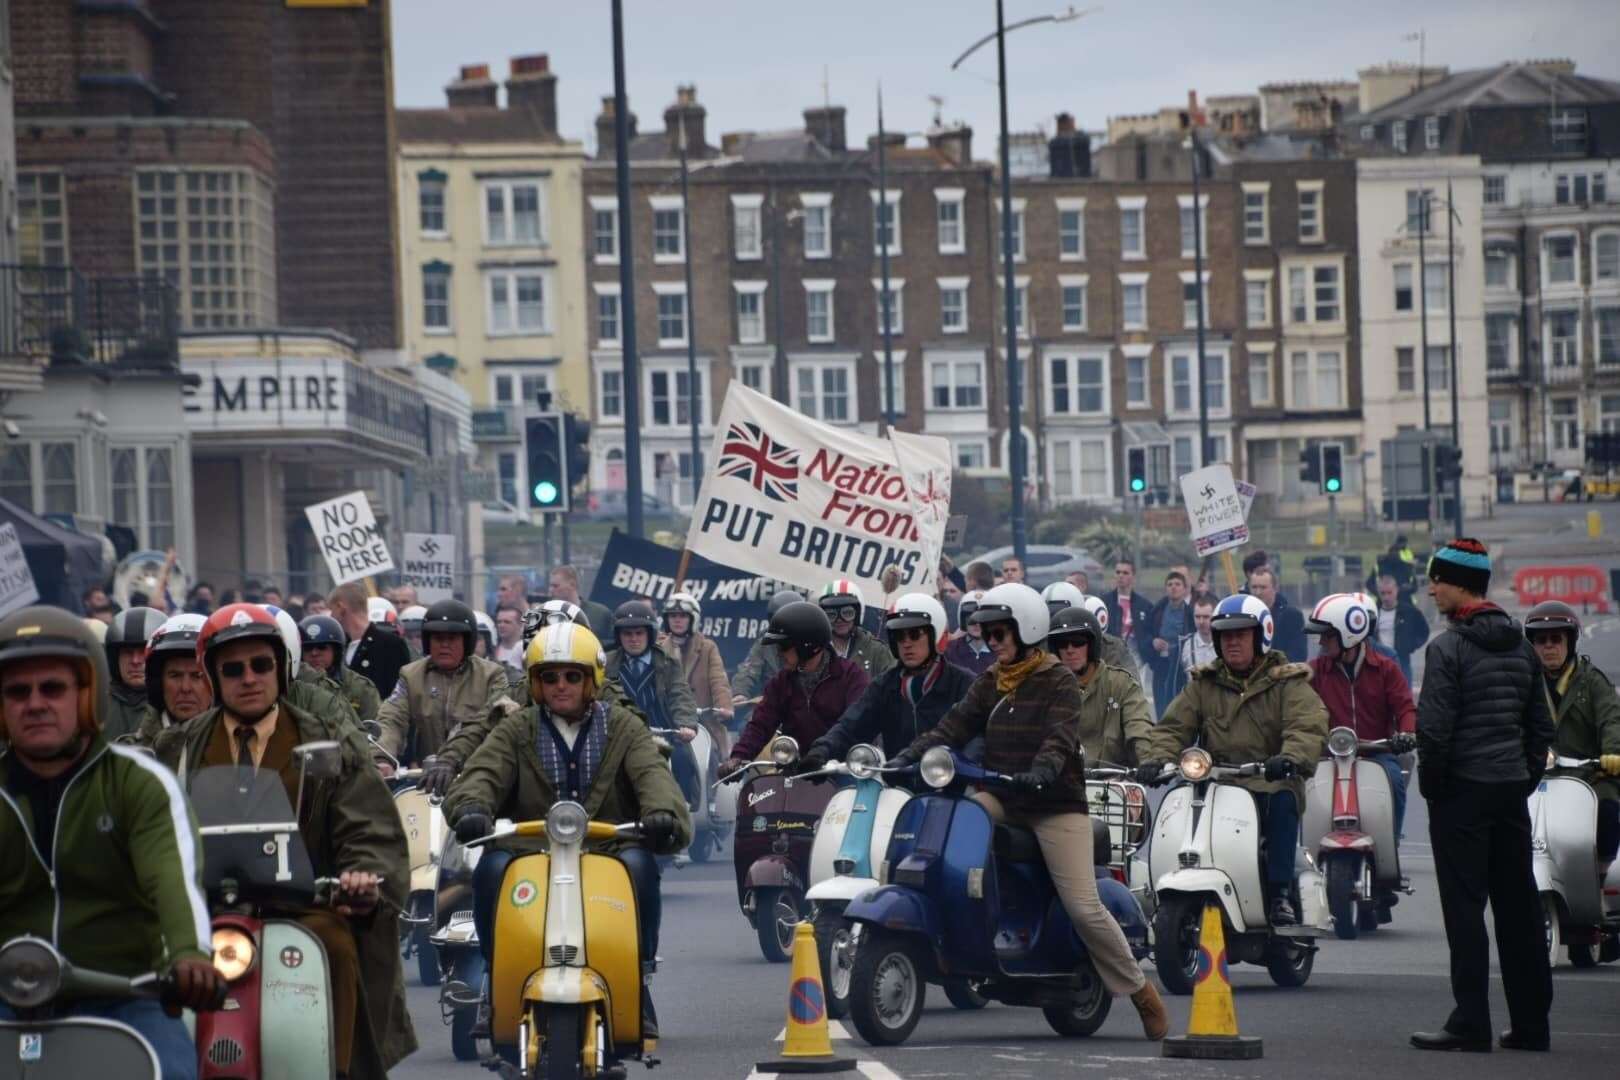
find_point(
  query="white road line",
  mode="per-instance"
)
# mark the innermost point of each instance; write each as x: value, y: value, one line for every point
x: 872, y: 1070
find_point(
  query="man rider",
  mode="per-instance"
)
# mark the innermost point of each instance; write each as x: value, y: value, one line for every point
x: 1116, y: 723
x: 126, y: 661
x: 323, y: 645
x: 448, y: 689
x: 1249, y: 705
x: 967, y: 649
x: 1586, y: 713
x: 574, y: 746
x: 1114, y: 651
x: 814, y: 688
x: 653, y: 682
x: 177, y: 688
x: 842, y: 602
x: 99, y: 852
x: 906, y: 700
x: 699, y: 657
x: 350, y: 830
x: 764, y: 660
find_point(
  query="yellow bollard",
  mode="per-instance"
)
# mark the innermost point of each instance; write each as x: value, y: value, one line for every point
x: 1212, y: 1031
x: 1318, y: 537
x: 1594, y: 524
x: 806, y: 1048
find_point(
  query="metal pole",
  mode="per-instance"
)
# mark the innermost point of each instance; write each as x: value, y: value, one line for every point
x: 1423, y: 300
x: 1198, y: 293
x: 627, y: 288
x: 1451, y: 305
x: 693, y: 399
x: 779, y: 377
x: 1015, y: 437
x: 885, y: 309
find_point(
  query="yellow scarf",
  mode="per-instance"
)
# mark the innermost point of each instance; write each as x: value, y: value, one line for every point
x: 1008, y: 676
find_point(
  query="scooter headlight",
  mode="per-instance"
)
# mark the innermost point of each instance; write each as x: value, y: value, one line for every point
x: 937, y: 767
x: 784, y: 750
x: 864, y: 760
x: 566, y: 822
x: 1195, y: 763
x: 30, y: 972
x: 1342, y: 742
x: 233, y: 952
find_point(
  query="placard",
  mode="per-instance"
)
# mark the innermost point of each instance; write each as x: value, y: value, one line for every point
x: 17, y: 588
x: 347, y: 534
x: 430, y: 565
x: 1214, y: 510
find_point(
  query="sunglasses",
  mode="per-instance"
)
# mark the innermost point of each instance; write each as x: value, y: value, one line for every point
x: 552, y: 678
x: 235, y: 669
x: 998, y: 632
x: 50, y: 690
x: 911, y: 633
x: 1072, y: 643
x: 842, y: 614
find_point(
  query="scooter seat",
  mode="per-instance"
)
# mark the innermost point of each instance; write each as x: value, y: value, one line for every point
x: 1016, y: 844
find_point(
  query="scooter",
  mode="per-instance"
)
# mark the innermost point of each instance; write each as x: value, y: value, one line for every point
x: 1349, y: 806
x: 566, y: 982
x: 772, y: 850
x: 425, y: 833
x: 1582, y: 913
x: 455, y: 938
x: 714, y: 813
x: 966, y: 899
x: 37, y: 982
x: 277, y: 1017
x: 1195, y: 863
x: 1121, y: 822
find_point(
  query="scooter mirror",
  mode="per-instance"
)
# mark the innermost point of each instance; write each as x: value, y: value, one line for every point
x: 321, y: 760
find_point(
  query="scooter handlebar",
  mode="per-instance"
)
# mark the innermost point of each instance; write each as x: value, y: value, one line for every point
x: 1561, y: 762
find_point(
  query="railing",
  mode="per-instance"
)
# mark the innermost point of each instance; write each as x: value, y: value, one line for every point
x: 57, y: 314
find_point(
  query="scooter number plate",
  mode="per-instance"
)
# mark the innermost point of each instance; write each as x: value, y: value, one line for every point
x: 31, y: 1047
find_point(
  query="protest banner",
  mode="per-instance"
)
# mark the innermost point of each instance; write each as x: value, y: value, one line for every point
x: 17, y: 587
x: 430, y: 565
x: 733, y: 600
x: 1214, y: 510
x: 1246, y: 493
x: 348, y: 537
x: 803, y: 502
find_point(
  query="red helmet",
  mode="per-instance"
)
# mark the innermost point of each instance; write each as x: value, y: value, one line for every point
x: 237, y: 622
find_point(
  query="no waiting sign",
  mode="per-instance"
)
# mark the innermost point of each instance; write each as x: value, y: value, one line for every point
x: 348, y: 537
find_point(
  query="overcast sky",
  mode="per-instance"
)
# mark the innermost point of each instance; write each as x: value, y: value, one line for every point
x: 758, y: 63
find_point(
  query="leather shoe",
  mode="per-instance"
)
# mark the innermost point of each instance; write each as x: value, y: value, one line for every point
x: 1446, y: 1040
x: 1512, y: 1040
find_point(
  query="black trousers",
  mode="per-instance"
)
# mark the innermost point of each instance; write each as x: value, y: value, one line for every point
x: 1481, y: 838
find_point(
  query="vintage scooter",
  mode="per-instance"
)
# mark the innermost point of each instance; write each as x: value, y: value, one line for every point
x: 1582, y: 913
x: 1350, y: 810
x: 565, y: 985
x: 776, y: 830
x: 1121, y: 822
x: 715, y: 812
x: 276, y: 1021
x: 38, y: 982
x: 425, y: 833
x: 966, y: 899
x: 1208, y: 848
x: 455, y: 938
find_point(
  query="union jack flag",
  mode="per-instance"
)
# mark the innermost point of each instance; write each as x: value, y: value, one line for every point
x: 755, y: 458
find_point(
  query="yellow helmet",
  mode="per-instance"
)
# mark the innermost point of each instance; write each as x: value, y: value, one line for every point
x: 565, y: 645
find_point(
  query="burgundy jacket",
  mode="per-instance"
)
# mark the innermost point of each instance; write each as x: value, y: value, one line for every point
x: 1378, y: 704
x: 784, y: 708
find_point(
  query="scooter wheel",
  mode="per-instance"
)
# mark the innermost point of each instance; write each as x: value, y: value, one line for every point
x: 1289, y: 963
x: 1342, y: 872
x: 1583, y: 956
x: 462, y: 1043
x: 833, y: 949
x: 886, y: 989
x: 1176, y: 928
x: 1085, y: 1012
x: 776, y: 913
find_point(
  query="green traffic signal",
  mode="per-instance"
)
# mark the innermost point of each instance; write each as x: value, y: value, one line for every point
x: 545, y: 493
x: 1333, y: 485
x: 1138, y: 484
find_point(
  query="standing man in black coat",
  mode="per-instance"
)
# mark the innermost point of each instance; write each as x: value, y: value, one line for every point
x: 1289, y: 636
x: 1483, y: 730
x: 1129, y: 612
x: 1168, y: 625
x: 374, y: 652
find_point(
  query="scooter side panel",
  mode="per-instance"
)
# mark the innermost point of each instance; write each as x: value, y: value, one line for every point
x: 75, y: 1046
x: 889, y: 805
x: 968, y: 934
x: 1234, y: 845
x: 613, y: 940
x: 416, y: 816
x: 835, y: 823
x: 520, y: 940
x: 1168, y: 832
x: 295, y: 1004
x: 1316, y: 816
x: 1378, y: 820
x: 1571, y: 823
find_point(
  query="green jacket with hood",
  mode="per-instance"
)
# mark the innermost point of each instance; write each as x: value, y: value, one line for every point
x: 1587, y: 718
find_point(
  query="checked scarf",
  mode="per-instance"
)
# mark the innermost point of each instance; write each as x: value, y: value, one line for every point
x: 584, y: 759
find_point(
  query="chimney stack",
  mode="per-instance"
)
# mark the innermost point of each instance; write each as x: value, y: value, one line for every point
x: 825, y: 124
x: 686, y: 114
x: 606, y: 146
x: 473, y: 89
x: 532, y: 86
x: 956, y: 143
x: 1068, y: 153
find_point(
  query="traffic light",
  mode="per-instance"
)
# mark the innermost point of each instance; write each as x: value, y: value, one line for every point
x: 1332, y: 468
x: 1136, y: 466
x: 1447, y: 464
x: 1310, y: 465
x: 578, y: 438
x: 547, y: 452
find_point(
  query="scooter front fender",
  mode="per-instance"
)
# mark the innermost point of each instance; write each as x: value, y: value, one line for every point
x: 1215, y: 883
x: 896, y: 908
x: 840, y: 889
x: 565, y: 986
x: 773, y: 872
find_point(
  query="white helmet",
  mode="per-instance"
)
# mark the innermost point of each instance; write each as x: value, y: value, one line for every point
x: 290, y: 637
x: 380, y: 610
x: 1344, y: 614
x: 1095, y: 605
x: 968, y: 605
x: 410, y: 620
x: 683, y: 603
x: 837, y: 594
x: 913, y: 610
x: 1060, y: 595
x: 553, y: 612
x: 486, y: 627
x: 1019, y: 603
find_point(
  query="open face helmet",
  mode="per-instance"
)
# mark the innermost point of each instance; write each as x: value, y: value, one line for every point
x: 51, y: 632
x: 1021, y: 605
x: 917, y: 610
x: 178, y: 634
x: 840, y: 596
x: 1344, y: 614
x: 1060, y: 595
x: 1098, y: 609
x: 1241, y: 611
x: 240, y: 622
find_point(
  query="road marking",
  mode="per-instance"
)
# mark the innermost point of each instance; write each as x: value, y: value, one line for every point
x: 835, y: 1030
x: 872, y: 1070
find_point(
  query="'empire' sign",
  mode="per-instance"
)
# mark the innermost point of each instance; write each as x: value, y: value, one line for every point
x: 268, y: 393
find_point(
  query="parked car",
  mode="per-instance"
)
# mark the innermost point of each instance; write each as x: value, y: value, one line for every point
x: 1046, y: 563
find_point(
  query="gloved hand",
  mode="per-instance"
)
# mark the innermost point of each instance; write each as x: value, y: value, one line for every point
x: 730, y: 766
x: 814, y: 758
x: 473, y: 822
x: 1402, y: 741
x: 905, y: 759
x: 197, y: 984
x: 1034, y: 780
x: 1610, y: 763
x: 1279, y: 768
x: 1150, y: 773
x: 437, y: 775
x: 658, y: 829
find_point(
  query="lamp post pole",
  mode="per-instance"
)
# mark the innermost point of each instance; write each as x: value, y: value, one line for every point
x: 885, y: 220
x: 627, y: 287
x: 1198, y: 293
x: 1009, y: 288
x: 693, y: 399
x: 1451, y: 306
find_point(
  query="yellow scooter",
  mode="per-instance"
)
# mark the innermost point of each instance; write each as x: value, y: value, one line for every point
x: 565, y: 986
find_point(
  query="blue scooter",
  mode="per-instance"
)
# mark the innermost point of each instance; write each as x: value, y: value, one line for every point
x: 966, y: 899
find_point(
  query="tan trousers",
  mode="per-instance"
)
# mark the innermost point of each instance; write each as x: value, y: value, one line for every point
x: 1065, y: 841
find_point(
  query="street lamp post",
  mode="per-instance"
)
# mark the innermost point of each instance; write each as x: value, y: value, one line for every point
x: 627, y: 287
x: 693, y: 399
x: 1451, y: 307
x: 1198, y: 294
x: 885, y: 220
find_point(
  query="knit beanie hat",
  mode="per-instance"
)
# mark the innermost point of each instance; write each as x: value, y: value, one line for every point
x: 1463, y: 562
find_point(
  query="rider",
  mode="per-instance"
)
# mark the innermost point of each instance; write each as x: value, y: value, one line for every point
x: 906, y: 700
x: 764, y: 661
x: 700, y: 660
x: 967, y: 649
x: 842, y: 602
x: 1061, y: 595
x: 653, y: 682
x: 557, y: 750
x: 106, y: 870
x: 484, y: 644
x: 814, y: 688
x: 1115, y: 720
x: 1586, y: 712
x: 176, y: 686
x: 126, y: 661
x: 410, y: 627
x: 323, y: 643
x: 1251, y: 704
x: 351, y: 829
x: 1363, y: 688
x: 1028, y: 708
x: 1115, y: 652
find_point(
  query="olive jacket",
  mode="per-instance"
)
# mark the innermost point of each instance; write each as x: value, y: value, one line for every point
x: 1116, y: 723
x: 1587, y: 716
x: 422, y: 715
x: 762, y: 663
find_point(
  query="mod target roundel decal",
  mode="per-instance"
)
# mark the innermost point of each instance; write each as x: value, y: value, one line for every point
x: 523, y: 893
x: 1356, y: 620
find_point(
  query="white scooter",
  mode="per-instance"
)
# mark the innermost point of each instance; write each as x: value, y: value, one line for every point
x: 715, y: 815
x: 1581, y: 912
x: 1349, y: 819
x: 425, y: 833
x: 1206, y: 850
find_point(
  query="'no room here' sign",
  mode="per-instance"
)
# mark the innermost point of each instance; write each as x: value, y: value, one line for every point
x: 349, y: 539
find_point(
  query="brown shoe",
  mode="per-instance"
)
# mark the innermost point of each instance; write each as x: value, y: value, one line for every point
x: 1150, y: 1006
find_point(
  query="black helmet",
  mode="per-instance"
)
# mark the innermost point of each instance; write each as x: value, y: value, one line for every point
x: 802, y: 625
x: 43, y: 631
x: 1076, y: 624
x: 633, y: 614
x: 451, y: 617
x: 130, y: 629
x: 324, y: 630
x: 1554, y: 615
x: 781, y: 600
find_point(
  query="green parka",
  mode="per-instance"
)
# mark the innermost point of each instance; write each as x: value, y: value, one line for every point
x: 126, y: 708
x: 1273, y: 711
x: 427, y: 707
x: 1588, y: 724
x: 1116, y: 724
x: 867, y: 650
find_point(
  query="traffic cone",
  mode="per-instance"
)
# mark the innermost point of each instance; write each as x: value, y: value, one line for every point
x: 1212, y: 1031
x: 806, y: 1047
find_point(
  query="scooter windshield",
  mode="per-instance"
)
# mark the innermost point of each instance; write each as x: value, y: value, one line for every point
x: 251, y: 844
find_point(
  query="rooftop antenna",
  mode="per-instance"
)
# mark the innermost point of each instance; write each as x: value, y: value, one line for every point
x: 1421, y: 37
x: 939, y: 106
x: 826, y: 88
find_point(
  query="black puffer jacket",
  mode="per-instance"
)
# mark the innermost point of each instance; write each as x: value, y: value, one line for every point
x: 1483, y: 715
x: 882, y: 716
